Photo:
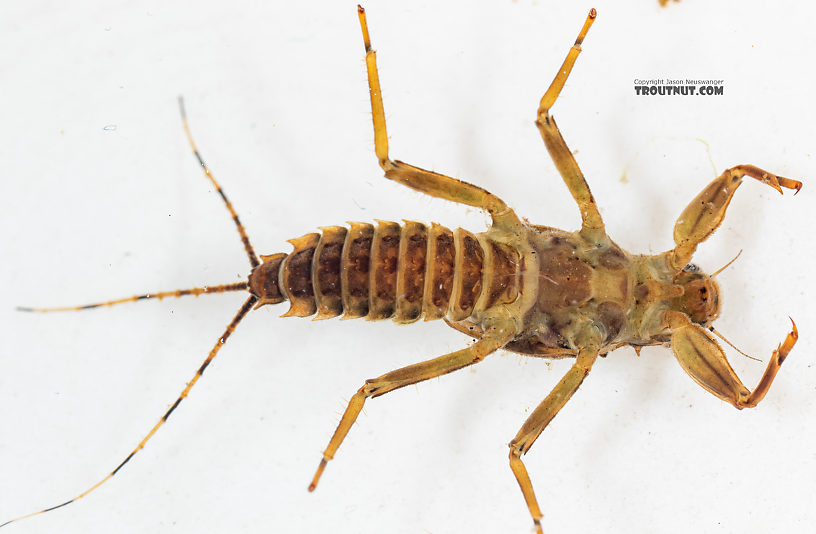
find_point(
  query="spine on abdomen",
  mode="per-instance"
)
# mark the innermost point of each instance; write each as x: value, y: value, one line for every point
x: 389, y: 271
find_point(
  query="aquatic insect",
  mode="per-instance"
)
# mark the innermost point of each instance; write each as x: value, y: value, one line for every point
x: 529, y: 289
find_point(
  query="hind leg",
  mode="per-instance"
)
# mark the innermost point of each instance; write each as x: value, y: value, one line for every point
x: 428, y: 182
x: 494, y: 339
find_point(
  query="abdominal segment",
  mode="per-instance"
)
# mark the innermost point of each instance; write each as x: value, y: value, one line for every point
x: 389, y: 271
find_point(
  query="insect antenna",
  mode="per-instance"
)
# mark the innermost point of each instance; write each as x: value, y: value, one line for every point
x: 712, y: 329
x: 724, y: 267
x: 213, y: 352
x: 253, y: 258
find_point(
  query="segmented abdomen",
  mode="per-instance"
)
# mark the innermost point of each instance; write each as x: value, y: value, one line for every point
x: 389, y: 271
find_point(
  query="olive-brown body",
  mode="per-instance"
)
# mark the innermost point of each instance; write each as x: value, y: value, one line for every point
x: 551, y: 281
x: 535, y: 290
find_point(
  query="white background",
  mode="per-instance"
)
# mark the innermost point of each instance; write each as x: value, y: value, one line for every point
x: 277, y: 99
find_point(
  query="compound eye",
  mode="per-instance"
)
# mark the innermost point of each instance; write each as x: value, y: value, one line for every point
x: 691, y: 268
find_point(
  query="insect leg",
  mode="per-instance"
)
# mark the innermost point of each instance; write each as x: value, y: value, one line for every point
x: 704, y: 360
x: 538, y: 421
x: 217, y: 347
x: 592, y: 226
x: 430, y: 183
x: 494, y: 338
x: 706, y: 212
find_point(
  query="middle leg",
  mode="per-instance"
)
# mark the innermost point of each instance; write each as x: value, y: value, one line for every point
x: 538, y: 421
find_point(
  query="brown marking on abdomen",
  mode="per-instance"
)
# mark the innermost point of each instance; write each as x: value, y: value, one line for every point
x: 355, y: 270
x: 390, y: 271
x: 385, y: 249
x: 440, y: 272
x: 263, y: 280
x: 326, y: 272
x: 411, y: 276
x: 468, y: 275
x: 297, y: 276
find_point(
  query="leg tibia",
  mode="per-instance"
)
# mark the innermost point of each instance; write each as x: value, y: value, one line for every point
x: 767, y: 379
x: 523, y: 478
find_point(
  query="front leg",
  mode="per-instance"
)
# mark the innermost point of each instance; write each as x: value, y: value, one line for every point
x: 428, y: 182
x: 592, y: 226
x: 704, y: 360
x: 541, y: 417
x: 707, y: 211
